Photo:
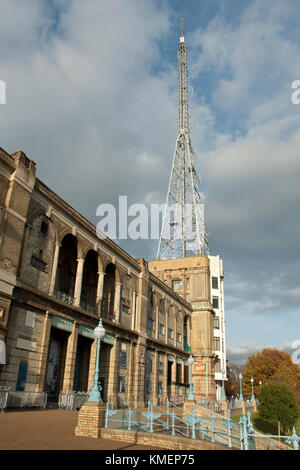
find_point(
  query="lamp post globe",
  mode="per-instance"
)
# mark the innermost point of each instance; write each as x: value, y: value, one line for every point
x: 223, y: 396
x: 95, y: 392
x: 99, y: 331
x: 190, y: 362
x: 241, y: 390
x: 252, y: 394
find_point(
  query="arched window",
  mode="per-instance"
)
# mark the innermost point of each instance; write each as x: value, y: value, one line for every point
x: 126, y: 293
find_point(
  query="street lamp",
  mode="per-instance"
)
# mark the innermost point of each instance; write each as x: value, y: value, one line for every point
x: 190, y: 362
x: 223, y: 396
x: 95, y: 392
x: 252, y: 394
x: 241, y: 390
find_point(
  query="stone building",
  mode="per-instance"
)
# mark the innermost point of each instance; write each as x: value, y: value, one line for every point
x: 190, y: 277
x: 57, y: 277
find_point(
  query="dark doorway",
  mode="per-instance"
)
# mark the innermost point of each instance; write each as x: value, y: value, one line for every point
x: 56, y: 363
x: 82, y: 364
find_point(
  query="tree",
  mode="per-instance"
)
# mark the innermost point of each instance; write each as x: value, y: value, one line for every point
x: 271, y: 366
x: 277, y: 403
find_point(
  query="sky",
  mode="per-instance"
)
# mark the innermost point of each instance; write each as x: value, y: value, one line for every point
x: 91, y: 97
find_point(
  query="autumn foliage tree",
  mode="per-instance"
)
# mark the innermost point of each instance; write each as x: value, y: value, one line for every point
x: 271, y: 366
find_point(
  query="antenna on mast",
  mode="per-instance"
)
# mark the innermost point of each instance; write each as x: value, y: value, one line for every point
x: 182, y: 23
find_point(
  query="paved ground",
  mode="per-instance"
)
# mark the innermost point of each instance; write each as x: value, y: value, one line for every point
x: 51, y: 430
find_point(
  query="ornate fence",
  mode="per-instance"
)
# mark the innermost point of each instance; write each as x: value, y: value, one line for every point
x: 178, y: 422
x: 13, y: 399
x: 174, y: 421
x: 3, y: 398
x: 71, y: 400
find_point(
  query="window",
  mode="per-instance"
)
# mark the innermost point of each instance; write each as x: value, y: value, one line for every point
x: 216, y: 323
x: 218, y: 365
x: 179, y: 338
x: 160, y: 388
x: 123, y: 359
x: 215, y: 282
x: 161, y: 329
x: 122, y: 384
x: 148, y: 386
x: 150, y: 324
x: 176, y: 284
x: 125, y: 290
x: 38, y: 263
x: 188, y: 283
x: 125, y: 309
x: 170, y: 334
x: 44, y: 227
x: 216, y: 343
x: 160, y: 367
x: 215, y: 302
x: 187, y: 297
x: 149, y: 365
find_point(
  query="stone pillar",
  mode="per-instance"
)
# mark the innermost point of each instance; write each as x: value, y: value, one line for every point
x: 54, y: 268
x: 91, y: 418
x: 70, y: 359
x: 42, y: 366
x: 139, y: 376
x: 155, y: 379
x: 173, y: 379
x: 100, y: 285
x: 117, y: 301
x: 188, y: 327
x: 78, y: 282
x: 133, y: 318
x: 113, y: 374
x: 156, y: 322
x: 129, y: 393
x: 165, y: 381
x: 92, y: 365
x: 167, y: 325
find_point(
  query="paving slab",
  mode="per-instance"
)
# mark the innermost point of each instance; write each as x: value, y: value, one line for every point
x: 51, y: 430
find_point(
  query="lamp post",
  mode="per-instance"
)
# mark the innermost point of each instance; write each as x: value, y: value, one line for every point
x: 223, y: 396
x: 241, y: 390
x: 95, y: 392
x: 252, y: 394
x: 190, y: 362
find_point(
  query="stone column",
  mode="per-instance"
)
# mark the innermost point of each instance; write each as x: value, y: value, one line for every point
x: 117, y: 300
x: 175, y: 330
x: 133, y: 310
x: 155, y: 378
x: 113, y: 373
x: 129, y: 393
x: 167, y: 325
x: 139, y: 377
x: 70, y: 359
x: 92, y: 367
x: 173, y: 378
x: 188, y: 327
x: 78, y: 282
x: 165, y: 382
x: 156, y: 322
x: 42, y: 365
x: 100, y: 285
x: 54, y: 268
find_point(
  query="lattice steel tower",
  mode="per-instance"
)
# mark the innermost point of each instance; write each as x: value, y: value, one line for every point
x: 183, y: 228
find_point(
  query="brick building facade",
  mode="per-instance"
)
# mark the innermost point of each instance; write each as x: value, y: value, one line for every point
x: 56, y: 278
